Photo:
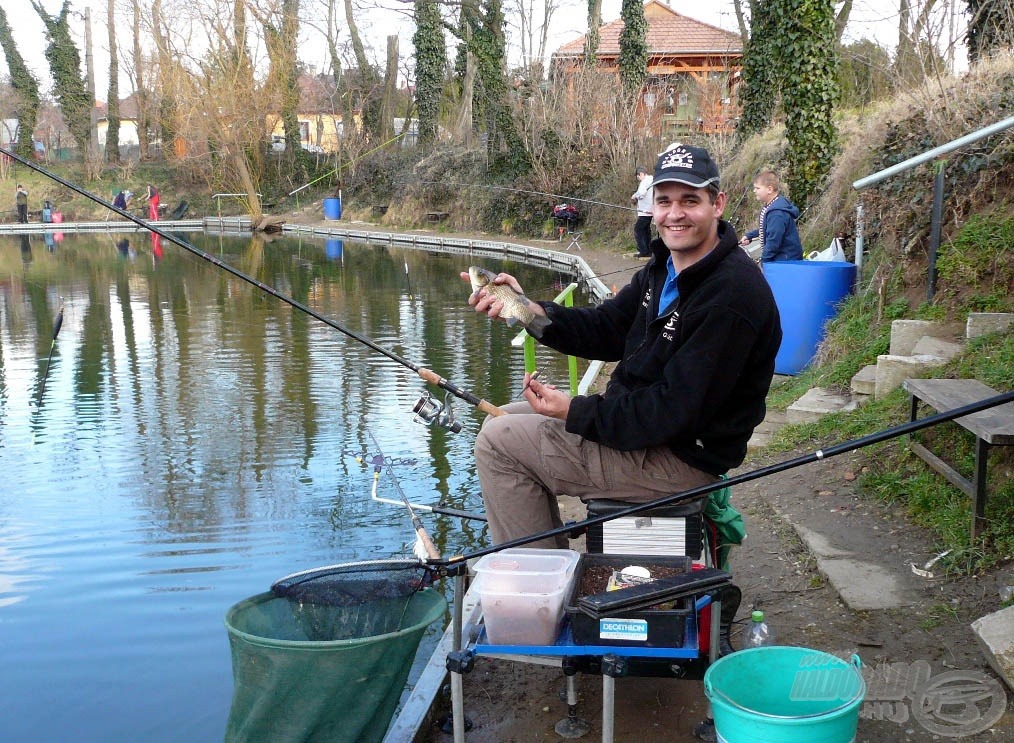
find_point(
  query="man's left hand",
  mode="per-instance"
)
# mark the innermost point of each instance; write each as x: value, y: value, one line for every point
x: 545, y: 399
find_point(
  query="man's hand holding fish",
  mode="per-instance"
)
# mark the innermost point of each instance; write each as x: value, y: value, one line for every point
x: 500, y: 296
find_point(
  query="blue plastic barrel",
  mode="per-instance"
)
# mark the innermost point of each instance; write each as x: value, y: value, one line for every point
x: 333, y: 249
x: 807, y: 294
x: 332, y: 208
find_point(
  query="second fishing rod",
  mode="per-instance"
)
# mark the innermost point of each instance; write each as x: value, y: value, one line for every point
x: 426, y: 408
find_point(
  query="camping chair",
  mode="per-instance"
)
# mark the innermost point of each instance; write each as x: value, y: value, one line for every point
x: 566, y: 218
x: 180, y: 211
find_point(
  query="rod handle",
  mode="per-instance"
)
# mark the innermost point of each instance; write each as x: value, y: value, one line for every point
x: 427, y: 543
x: 490, y: 409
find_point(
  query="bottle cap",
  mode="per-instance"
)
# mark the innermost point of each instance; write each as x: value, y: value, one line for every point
x: 757, y: 616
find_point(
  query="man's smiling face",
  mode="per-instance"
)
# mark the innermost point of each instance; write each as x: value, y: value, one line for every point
x: 687, y: 221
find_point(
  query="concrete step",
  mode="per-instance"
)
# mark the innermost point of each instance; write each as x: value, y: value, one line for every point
x: 983, y: 323
x: 942, y: 349
x: 763, y: 433
x: 995, y: 633
x: 892, y: 370
x: 817, y: 403
x: 905, y: 334
x: 865, y: 380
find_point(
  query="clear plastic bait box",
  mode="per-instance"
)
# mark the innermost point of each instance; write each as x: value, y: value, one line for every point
x: 522, y: 592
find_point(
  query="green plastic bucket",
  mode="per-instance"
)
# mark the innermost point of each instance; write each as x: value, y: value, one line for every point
x: 781, y: 694
x: 307, y: 672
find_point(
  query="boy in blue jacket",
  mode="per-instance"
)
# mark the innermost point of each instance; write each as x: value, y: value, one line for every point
x: 776, y: 225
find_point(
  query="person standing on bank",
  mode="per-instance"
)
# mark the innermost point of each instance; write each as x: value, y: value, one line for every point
x: 21, y: 201
x: 642, y: 200
x: 153, y: 201
x: 776, y: 224
x: 695, y: 334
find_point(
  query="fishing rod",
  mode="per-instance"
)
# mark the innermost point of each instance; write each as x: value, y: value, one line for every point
x: 422, y: 536
x: 426, y: 375
x: 523, y: 190
x: 702, y: 490
x: 52, y: 346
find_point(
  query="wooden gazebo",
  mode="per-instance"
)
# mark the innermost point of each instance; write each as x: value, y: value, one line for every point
x: 693, y: 69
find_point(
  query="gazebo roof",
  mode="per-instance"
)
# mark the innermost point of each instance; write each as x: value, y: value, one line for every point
x: 669, y: 33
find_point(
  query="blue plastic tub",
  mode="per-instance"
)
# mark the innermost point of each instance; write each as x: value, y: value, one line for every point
x: 785, y: 694
x: 807, y: 294
x: 332, y: 208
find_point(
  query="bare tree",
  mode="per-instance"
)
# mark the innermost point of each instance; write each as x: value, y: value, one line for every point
x: 533, y: 21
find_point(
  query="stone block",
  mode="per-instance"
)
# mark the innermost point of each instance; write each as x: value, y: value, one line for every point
x: 817, y: 403
x: 995, y: 633
x: 893, y: 370
x: 865, y: 380
x: 930, y: 346
x: 983, y: 323
x: 906, y: 333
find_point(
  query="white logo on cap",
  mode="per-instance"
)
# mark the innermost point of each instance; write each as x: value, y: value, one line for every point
x: 678, y: 158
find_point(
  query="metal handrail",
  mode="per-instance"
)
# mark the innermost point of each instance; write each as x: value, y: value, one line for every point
x: 912, y: 162
x: 219, y: 196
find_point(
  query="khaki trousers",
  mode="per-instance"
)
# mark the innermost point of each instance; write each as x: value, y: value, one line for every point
x: 525, y: 460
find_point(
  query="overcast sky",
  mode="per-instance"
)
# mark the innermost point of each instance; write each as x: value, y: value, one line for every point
x: 874, y: 19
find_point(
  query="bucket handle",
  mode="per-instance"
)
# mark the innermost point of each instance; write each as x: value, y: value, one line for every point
x: 710, y: 690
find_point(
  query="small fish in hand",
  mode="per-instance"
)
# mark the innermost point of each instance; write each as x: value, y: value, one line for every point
x: 516, y: 307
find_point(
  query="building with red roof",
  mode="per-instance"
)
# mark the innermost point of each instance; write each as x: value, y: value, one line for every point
x: 694, y: 70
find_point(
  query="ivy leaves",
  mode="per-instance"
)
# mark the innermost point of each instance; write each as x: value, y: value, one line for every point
x: 792, y: 49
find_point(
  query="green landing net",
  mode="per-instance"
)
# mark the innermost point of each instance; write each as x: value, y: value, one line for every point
x: 325, y: 654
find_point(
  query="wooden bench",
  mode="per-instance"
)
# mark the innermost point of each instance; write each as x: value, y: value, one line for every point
x: 991, y: 427
x: 434, y: 217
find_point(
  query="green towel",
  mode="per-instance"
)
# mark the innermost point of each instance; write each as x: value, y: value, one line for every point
x: 728, y: 523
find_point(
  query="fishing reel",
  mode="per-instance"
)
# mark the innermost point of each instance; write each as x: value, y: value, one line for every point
x: 429, y: 411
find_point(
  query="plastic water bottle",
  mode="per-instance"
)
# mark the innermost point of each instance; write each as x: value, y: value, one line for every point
x: 759, y: 633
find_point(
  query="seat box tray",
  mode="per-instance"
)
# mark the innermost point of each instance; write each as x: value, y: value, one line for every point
x: 640, y: 628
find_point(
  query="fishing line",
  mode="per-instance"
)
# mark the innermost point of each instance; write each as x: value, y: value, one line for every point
x: 426, y: 375
x: 522, y: 190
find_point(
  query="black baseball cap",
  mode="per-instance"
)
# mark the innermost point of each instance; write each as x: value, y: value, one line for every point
x: 680, y: 163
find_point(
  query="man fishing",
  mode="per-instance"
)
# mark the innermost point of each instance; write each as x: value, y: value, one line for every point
x: 695, y: 334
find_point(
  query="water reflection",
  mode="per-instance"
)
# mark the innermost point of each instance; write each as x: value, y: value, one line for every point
x: 196, y: 441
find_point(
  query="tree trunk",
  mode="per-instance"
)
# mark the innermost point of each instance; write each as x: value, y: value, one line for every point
x: 113, y: 97
x: 140, y: 89
x: 390, y: 89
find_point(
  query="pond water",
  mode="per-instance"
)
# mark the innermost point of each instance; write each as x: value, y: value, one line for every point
x: 195, y: 439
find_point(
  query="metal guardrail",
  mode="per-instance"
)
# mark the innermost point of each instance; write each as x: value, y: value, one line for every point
x: 219, y: 196
x: 910, y: 163
x: 527, y: 342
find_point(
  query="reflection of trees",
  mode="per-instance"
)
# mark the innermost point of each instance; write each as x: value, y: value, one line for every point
x: 217, y: 396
